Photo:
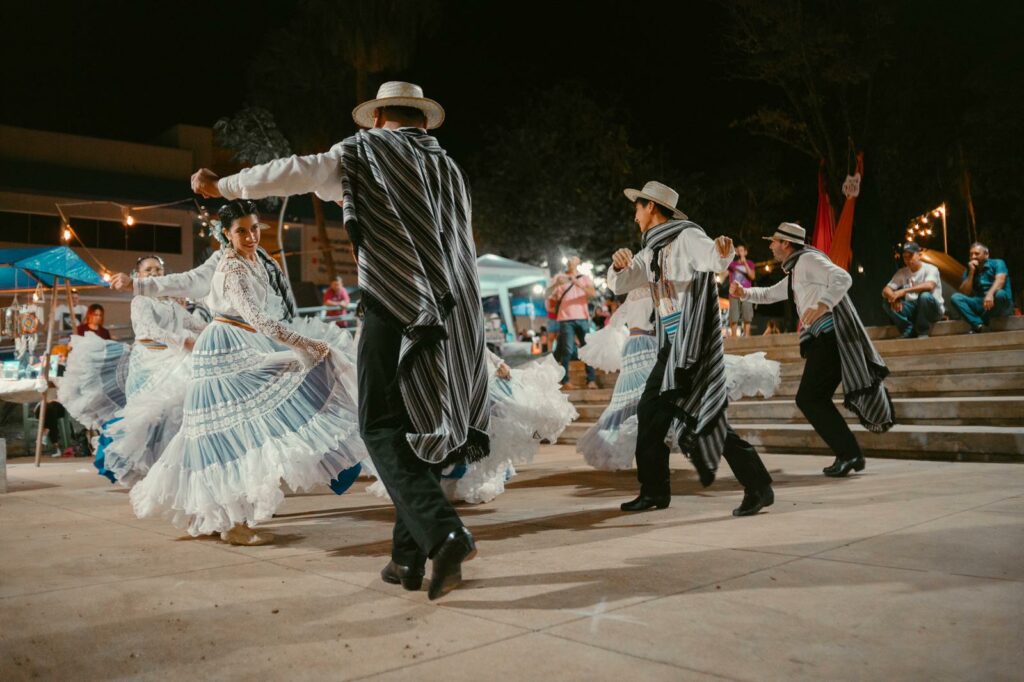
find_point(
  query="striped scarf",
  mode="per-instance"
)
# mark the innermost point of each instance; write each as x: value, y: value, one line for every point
x: 863, y: 369
x: 694, y: 380
x: 408, y: 212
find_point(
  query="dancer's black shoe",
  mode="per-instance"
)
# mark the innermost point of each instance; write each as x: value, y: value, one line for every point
x: 754, y: 500
x: 409, y: 577
x: 841, y: 467
x: 645, y: 502
x: 446, y: 572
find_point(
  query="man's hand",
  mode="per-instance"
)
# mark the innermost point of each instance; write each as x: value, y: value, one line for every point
x: 811, y: 315
x: 622, y: 259
x: 736, y: 290
x: 990, y: 301
x: 504, y: 372
x: 121, y: 282
x: 896, y: 305
x: 204, y: 183
x: 724, y: 246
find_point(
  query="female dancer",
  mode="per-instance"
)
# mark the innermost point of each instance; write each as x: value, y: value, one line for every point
x: 93, y: 386
x: 158, y: 375
x: 265, y: 405
x: 627, y: 344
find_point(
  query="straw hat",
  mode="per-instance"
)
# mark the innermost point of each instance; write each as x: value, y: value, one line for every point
x: 790, y: 232
x: 399, y: 94
x: 663, y: 195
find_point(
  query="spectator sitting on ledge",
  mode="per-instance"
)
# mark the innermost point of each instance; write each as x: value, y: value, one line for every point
x: 985, y: 290
x: 913, y: 298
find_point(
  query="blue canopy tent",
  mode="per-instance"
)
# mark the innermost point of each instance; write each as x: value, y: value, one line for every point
x: 498, y: 275
x: 24, y: 269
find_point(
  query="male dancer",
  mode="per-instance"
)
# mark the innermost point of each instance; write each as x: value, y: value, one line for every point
x: 833, y: 341
x: 423, y: 397
x: 687, y: 385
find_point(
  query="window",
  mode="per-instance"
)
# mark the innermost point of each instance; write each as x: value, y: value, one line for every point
x: 35, y: 228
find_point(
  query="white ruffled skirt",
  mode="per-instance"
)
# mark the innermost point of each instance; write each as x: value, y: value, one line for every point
x: 253, y: 419
x: 93, y: 386
x: 133, y: 440
x: 526, y: 409
x: 610, y: 444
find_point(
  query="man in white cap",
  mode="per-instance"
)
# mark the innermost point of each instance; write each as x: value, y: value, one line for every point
x: 833, y: 341
x: 423, y: 398
x: 685, y: 392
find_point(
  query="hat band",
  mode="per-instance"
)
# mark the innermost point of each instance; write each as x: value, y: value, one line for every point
x: 789, y: 234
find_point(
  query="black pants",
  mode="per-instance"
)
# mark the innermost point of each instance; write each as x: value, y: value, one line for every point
x: 423, y: 514
x: 654, y: 417
x: 822, y: 376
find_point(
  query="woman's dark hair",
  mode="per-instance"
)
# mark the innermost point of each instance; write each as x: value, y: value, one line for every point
x: 149, y: 257
x: 233, y: 210
x: 94, y: 307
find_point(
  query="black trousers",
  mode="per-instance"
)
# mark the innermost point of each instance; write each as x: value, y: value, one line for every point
x: 424, y: 517
x: 654, y: 419
x: 822, y: 376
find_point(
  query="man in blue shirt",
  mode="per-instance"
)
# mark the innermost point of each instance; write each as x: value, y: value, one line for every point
x: 985, y: 289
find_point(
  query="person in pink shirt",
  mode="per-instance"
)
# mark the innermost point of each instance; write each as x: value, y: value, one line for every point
x: 741, y: 271
x: 338, y: 299
x: 568, y: 295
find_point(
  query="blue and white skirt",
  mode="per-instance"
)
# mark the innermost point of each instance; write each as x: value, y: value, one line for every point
x: 253, y: 419
x: 132, y: 442
x: 610, y: 444
x: 93, y: 386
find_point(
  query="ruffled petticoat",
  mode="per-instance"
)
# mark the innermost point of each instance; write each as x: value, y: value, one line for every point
x: 93, y: 386
x: 610, y: 444
x: 253, y: 419
x: 526, y: 409
x: 132, y: 442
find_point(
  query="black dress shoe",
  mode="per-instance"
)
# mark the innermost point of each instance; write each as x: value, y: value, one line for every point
x: 754, y: 500
x: 409, y: 577
x: 841, y: 467
x: 446, y: 572
x: 645, y: 502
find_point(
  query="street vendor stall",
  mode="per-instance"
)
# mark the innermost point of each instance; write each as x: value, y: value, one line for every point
x: 37, y: 272
x: 499, y: 275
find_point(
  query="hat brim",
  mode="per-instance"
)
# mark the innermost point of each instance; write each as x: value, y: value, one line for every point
x: 784, y: 238
x: 634, y: 194
x: 363, y: 114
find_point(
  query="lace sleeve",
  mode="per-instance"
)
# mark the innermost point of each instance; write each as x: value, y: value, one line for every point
x: 191, y: 323
x: 238, y: 289
x: 146, y: 325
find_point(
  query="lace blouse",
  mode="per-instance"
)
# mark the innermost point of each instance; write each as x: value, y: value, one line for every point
x: 164, y: 320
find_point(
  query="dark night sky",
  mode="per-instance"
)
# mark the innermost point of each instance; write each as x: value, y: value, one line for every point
x: 129, y: 70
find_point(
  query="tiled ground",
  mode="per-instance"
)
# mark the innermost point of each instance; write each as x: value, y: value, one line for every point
x: 913, y: 570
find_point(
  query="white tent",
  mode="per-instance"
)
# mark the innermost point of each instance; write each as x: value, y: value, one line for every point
x: 499, y: 275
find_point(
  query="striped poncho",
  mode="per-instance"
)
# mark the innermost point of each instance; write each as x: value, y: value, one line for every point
x: 694, y: 381
x: 407, y: 210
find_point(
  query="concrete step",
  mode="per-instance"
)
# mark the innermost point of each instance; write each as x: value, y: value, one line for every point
x: 944, y: 335
x: 945, y: 443
x: 574, y: 431
x: 944, y: 411
x: 948, y: 363
x: 966, y: 384
x: 590, y: 395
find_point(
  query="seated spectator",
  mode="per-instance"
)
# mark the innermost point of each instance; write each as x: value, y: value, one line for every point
x: 63, y: 313
x: 985, y: 290
x: 337, y: 299
x: 913, y: 298
x: 93, y: 323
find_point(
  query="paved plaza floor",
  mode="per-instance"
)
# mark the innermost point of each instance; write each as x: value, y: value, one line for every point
x: 913, y: 570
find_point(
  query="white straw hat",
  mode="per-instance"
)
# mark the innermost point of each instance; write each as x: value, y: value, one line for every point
x: 790, y: 232
x: 399, y: 94
x: 663, y: 195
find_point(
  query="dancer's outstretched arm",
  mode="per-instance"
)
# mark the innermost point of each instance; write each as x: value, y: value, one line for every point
x: 762, y: 295
x: 628, y: 272
x: 193, y: 284
x: 318, y: 173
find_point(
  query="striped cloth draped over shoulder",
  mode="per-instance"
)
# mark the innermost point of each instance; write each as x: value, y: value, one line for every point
x: 694, y: 380
x: 408, y: 211
x: 862, y: 367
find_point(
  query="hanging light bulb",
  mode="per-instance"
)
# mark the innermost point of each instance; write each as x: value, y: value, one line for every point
x: 924, y: 220
x: 106, y: 276
x: 66, y: 234
x: 910, y: 238
x: 937, y: 213
x: 129, y: 220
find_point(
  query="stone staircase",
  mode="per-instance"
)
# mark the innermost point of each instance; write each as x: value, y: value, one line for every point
x: 958, y: 397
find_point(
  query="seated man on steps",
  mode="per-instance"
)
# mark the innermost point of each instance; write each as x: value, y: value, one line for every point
x: 913, y: 298
x: 985, y: 290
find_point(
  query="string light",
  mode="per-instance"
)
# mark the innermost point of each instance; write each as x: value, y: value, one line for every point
x: 130, y: 220
x: 106, y: 276
x: 67, y: 233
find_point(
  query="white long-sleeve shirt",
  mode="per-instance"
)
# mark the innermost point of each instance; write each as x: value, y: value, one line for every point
x: 317, y: 173
x: 194, y: 284
x: 691, y: 252
x: 165, y: 321
x: 816, y: 279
